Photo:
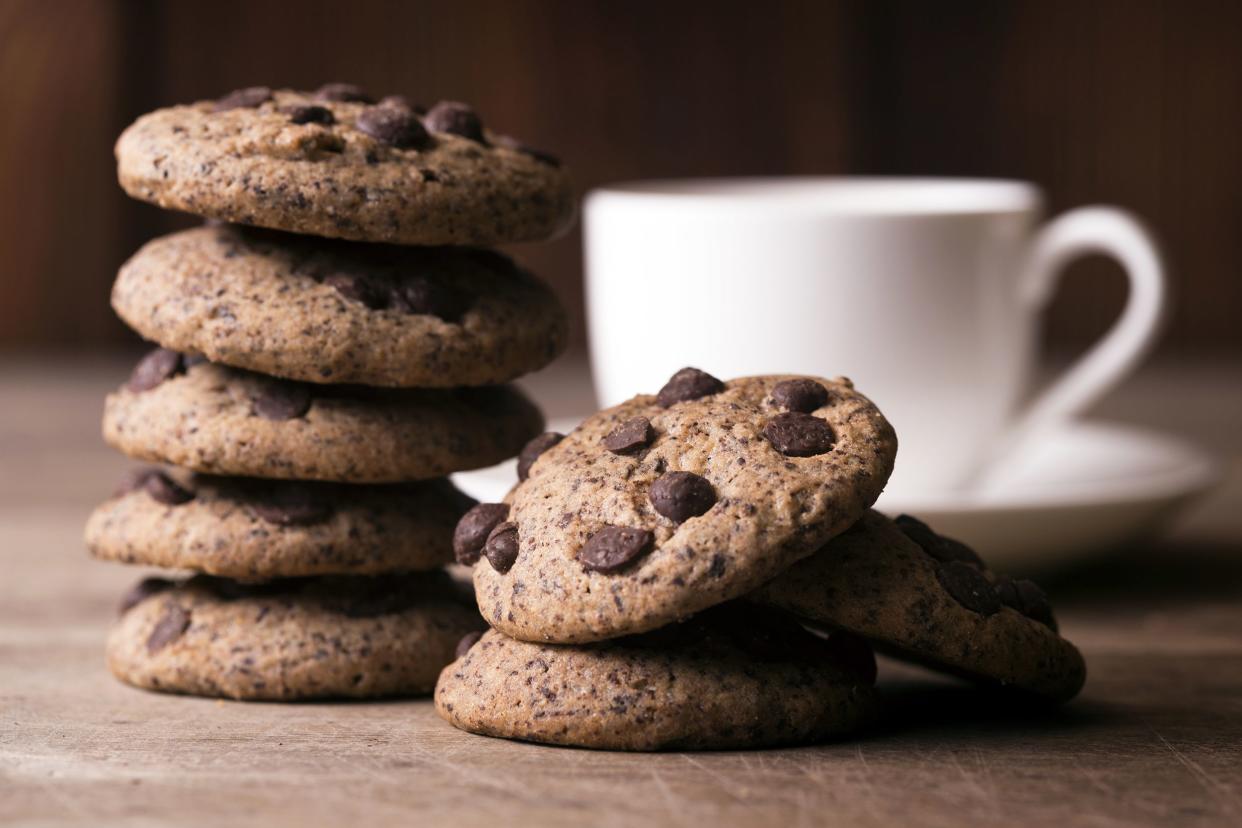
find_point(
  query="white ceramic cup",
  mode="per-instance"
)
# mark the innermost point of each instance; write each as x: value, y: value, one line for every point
x: 926, y: 292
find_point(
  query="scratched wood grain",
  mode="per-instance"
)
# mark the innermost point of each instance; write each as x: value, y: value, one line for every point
x: 1155, y: 739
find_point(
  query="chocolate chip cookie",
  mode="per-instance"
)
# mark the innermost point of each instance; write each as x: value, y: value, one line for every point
x: 225, y: 421
x: 930, y: 599
x: 728, y: 678
x: 261, y: 529
x: 340, y: 165
x: 286, y: 640
x: 665, y: 505
x: 341, y: 312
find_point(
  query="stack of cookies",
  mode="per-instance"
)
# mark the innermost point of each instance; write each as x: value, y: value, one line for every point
x: 332, y: 344
x: 701, y: 568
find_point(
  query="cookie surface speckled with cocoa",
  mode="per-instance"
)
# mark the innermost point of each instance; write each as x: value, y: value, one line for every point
x: 337, y: 166
x: 341, y: 312
x: 260, y: 529
x: 662, y: 506
x: 287, y: 640
x: 928, y: 604
x: 225, y: 421
x: 724, y: 679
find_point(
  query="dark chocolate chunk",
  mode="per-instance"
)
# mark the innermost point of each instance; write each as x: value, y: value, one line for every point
x: 954, y: 550
x: 359, y: 289
x: 133, y: 480
x: 141, y: 591
x: 157, y: 366
x: 397, y: 127
x: 282, y: 401
x: 163, y: 489
x: 473, y: 528
x: 633, y: 434
x: 402, y: 102
x: 455, y: 118
x: 343, y: 92
x: 937, y: 546
x: 795, y: 434
x: 247, y: 98
x: 421, y: 295
x: 514, y: 144
x: 681, y: 495
x: 688, y: 384
x: 802, y: 395
x: 309, y: 115
x: 854, y: 654
x: 969, y: 587
x: 532, y: 450
x: 501, y: 548
x: 1027, y: 598
x: 174, y: 622
x: 612, y: 547
x: 291, y: 504
x: 467, y: 641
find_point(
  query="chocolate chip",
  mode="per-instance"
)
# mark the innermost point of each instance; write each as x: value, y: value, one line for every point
x: 424, y: 296
x: 969, y: 587
x: 681, y: 495
x: 163, y: 489
x: 633, y: 434
x: 247, y: 98
x: 309, y: 115
x: 501, y: 548
x: 854, y: 654
x: 168, y: 629
x: 141, y: 591
x: 473, y: 528
x: 359, y: 289
x: 514, y: 144
x: 282, y: 401
x: 802, y: 395
x: 532, y: 450
x: 954, y: 550
x: 402, y: 102
x: 795, y: 434
x: 455, y: 118
x: 937, y: 546
x: 157, y: 366
x: 612, y: 547
x: 688, y: 384
x: 397, y: 127
x: 289, y: 504
x: 343, y: 92
x: 1027, y: 598
x: 467, y: 641
x: 133, y: 480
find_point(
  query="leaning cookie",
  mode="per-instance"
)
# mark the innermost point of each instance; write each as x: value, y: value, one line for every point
x: 930, y: 599
x: 728, y: 678
x: 333, y: 163
x: 341, y: 312
x: 261, y: 529
x: 665, y: 505
x: 287, y: 640
x: 219, y: 420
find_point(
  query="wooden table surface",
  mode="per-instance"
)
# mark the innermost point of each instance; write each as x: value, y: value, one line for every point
x: 1156, y: 737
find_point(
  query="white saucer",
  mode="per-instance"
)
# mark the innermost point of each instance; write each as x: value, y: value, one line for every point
x: 1083, y: 488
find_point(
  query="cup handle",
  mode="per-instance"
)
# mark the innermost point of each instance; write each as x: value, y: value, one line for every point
x: 1116, y: 233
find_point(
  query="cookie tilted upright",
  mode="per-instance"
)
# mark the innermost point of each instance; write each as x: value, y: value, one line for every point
x: 660, y: 507
x: 316, y: 380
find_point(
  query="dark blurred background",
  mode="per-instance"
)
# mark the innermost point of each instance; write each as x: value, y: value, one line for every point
x: 1133, y: 102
